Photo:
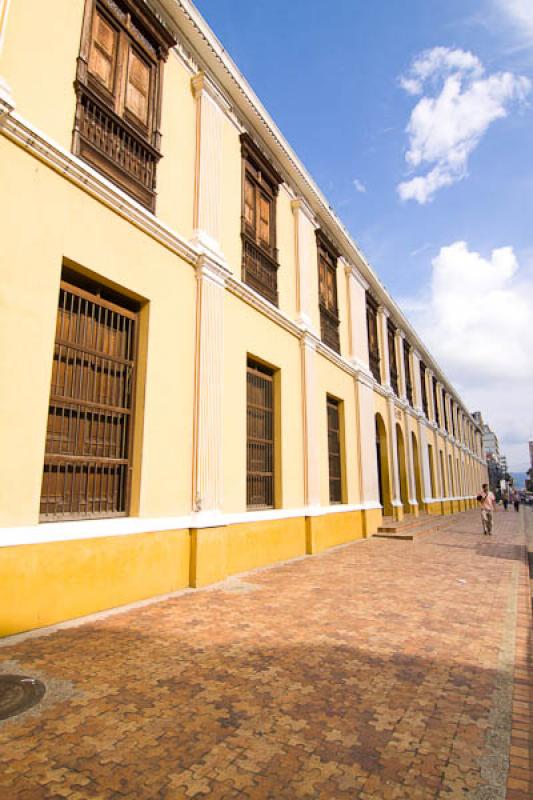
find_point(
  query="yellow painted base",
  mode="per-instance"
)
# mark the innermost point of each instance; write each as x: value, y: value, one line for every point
x: 41, y: 584
x: 398, y: 513
x: 330, y: 530
x: 372, y: 519
x: 414, y: 509
x: 217, y: 553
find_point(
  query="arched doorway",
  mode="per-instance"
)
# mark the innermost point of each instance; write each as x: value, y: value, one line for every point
x: 418, y: 474
x: 402, y: 470
x: 383, y: 466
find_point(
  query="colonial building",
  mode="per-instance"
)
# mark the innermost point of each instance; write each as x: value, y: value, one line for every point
x: 201, y: 372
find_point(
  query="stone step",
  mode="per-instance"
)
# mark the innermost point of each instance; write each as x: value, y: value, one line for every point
x: 410, y: 532
x: 391, y: 525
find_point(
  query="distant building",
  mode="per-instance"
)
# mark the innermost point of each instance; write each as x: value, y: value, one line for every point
x: 496, y: 461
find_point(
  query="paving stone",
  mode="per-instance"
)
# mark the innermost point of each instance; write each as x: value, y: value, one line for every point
x: 381, y: 670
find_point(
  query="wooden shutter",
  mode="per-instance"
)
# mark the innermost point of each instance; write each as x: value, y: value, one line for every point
x: 260, y: 437
x: 249, y: 203
x: 264, y: 220
x: 138, y: 86
x: 87, y: 454
x: 103, y: 49
x: 334, y: 451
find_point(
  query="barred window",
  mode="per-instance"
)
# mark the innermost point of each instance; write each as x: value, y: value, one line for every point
x: 334, y: 451
x: 90, y: 418
x: 260, y: 436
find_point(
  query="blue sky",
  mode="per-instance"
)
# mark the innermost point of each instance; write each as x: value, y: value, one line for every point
x: 373, y: 96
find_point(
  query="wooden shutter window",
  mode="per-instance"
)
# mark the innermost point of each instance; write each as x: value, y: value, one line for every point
x: 119, y: 90
x: 258, y: 221
x: 334, y: 451
x: 327, y: 292
x: 88, y: 442
x: 138, y: 86
x: 373, y: 341
x: 102, y: 54
x: 260, y: 437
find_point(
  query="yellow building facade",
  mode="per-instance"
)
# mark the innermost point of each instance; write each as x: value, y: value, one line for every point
x: 202, y: 374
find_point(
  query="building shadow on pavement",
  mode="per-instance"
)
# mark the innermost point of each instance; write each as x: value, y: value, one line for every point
x: 215, y: 710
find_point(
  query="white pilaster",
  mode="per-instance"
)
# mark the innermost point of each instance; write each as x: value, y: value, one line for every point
x: 305, y: 226
x: 366, y: 435
x: 417, y: 380
x: 311, y: 422
x: 411, y: 478
x: 393, y: 454
x: 383, y: 316
x: 209, y: 412
x: 424, y: 461
x: 430, y: 395
x: 208, y: 194
x: 402, y: 378
x: 7, y: 104
x: 358, y: 334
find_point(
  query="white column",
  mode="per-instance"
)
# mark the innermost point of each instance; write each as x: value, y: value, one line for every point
x: 7, y: 104
x: 424, y: 461
x: 393, y: 454
x: 431, y: 396
x: 366, y: 430
x: 208, y: 411
x: 400, y: 336
x: 411, y: 478
x: 383, y: 316
x: 417, y: 380
x: 311, y: 425
x: 208, y: 194
x: 358, y: 334
x: 305, y: 226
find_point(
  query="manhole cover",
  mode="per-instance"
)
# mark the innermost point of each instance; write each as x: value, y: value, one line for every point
x: 18, y: 693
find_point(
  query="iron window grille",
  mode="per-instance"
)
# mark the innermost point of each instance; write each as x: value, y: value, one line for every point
x: 260, y: 444
x: 334, y: 451
x: 87, y: 463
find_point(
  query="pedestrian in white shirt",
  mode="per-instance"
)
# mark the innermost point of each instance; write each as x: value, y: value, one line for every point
x: 487, y: 501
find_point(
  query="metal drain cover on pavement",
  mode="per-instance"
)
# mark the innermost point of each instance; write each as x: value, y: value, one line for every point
x: 18, y: 693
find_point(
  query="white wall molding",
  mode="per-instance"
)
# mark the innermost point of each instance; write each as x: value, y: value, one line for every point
x: 49, y: 532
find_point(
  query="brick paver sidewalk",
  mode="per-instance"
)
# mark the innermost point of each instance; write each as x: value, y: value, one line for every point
x: 382, y: 669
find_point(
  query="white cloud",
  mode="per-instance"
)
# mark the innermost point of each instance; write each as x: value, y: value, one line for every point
x: 360, y: 187
x: 476, y: 319
x: 445, y: 128
x: 519, y: 13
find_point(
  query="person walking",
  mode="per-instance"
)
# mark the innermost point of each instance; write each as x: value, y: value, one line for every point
x: 487, y: 501
x: 516, y: 500
x: 505, y: 500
